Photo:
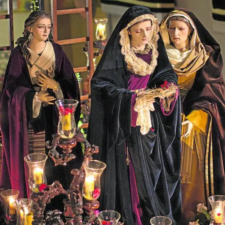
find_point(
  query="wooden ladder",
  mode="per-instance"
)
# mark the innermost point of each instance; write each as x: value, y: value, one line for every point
x: 88, y: 39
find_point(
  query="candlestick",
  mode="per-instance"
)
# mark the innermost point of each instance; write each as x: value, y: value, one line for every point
x: 89, y: 187
x: 38, y: 176
x: 108, y: 217
x: 12, y: 208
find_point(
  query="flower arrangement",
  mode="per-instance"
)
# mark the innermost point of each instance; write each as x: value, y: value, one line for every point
x: 203, y: 217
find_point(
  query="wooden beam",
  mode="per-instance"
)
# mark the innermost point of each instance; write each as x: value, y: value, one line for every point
x: 2, y: 17
x: 11, y: 33
x: 54, y: 19
x: 85, y: 125
x: 84, y: 97
x: 90, y: 40
x: 5, y: 48
x: 80, y: 69
x: 72, y: 41
x: 70, y: 11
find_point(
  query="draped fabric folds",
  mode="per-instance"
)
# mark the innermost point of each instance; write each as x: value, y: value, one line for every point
x: 154, y: 157
x: 16, y: 114
x: 203, y: 103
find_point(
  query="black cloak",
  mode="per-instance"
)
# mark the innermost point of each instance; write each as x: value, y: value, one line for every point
x: 157, y: 153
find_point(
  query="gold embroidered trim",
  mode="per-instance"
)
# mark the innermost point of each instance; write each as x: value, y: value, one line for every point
x: 134, y: 64
x: 127, y: 156
x: 207, y: 160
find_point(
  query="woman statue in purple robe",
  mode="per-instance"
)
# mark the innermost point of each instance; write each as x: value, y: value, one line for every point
x: 135, y: 121
x: 38, y: 73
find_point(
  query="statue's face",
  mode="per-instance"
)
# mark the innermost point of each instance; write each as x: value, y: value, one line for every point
x: 140, y: 34
x: 179, y: 32
x: 41, y: 29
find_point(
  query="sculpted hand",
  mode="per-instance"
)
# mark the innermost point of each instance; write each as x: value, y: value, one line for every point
x: 189, y: 127
x: 45, y: 97
x: 47, y: 82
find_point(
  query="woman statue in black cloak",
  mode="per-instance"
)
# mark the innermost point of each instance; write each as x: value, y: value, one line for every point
x: 136, y: 123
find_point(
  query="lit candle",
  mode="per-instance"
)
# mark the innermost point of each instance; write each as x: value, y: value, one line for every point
x: 89, y: 187
x: 23, y: 219
x: 100, y: 31
x: 38, y: 176
x: 12, y: 208
x: 29, y: 218
x: 66, y: 122
x: 218, y: 216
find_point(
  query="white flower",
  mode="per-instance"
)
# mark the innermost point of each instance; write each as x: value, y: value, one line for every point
x: 201, y: 207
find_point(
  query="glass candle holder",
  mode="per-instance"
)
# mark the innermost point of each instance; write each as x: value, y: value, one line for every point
x: 66, y: 124
x: 36, y: 163
x: 92, y: 185
x: 10, y: 196
x: 160, y: 220
x: 24, y: 214
x: 109, y: 217
x: 217, y: 203
x: 100, y: 33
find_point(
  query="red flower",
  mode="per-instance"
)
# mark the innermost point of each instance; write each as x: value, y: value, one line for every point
x: 105, y: 222
x: 165, y: 84
x: 43, y: 187
x: 96, y: 193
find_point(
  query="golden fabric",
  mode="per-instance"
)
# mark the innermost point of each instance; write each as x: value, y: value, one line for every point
x: 195, y: 142
x: 200, y: 119
x: 195, y: 173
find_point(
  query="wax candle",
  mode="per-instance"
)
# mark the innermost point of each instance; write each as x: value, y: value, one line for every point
x: 66, y: 122
x: 89, y: 187
x: 218, y: 216
x: 29, y: 218
x: 12, y: 208
x: 38, y: 176
x: 23, y: 219
x: 101, y: 31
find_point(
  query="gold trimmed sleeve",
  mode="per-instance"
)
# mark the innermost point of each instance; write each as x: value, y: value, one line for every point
x: 200, y: 119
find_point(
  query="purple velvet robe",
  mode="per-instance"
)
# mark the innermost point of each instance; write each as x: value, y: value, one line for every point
x: 16, y: 113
